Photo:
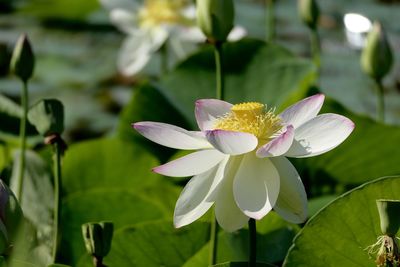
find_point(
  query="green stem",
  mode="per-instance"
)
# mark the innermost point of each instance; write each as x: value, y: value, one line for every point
x: 219, y: 70
x: 164, y: 58
x: 316, y: 50
x: 270, y: 20
x: 381, y: 101
x: 22, y: 135
x: 253, y: 243
x: 213, y: 240
x: 57, y: 203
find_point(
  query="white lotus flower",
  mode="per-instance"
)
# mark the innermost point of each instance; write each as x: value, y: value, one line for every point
x: 241, y: 164
x: 149, y: 24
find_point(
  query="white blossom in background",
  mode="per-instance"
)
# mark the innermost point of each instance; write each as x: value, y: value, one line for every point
x: 240, y: 164
x: 148, y: 24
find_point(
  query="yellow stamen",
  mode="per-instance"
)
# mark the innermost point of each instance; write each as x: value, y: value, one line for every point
x: 250, y: 117
x: 156, y: 12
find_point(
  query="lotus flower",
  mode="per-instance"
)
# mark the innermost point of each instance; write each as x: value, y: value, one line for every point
x: 240, y: 164
x: 149, y: 24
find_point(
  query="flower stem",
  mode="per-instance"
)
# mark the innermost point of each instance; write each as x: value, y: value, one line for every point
x: 213, y: 240
x: 270, y: 20
x: 22, y: 135
x: 253, y: 243
x: 219, y: 70
x: 381, y: 101
x: 316, y: 50
x: 58, y: 150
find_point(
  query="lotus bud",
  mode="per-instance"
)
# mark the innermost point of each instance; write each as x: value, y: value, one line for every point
x: 10, y: 211
x: 377, y: 56
x: 309, y: 13
x: 23, y: 60
x: 389, y: 214
x: 98, y: 237
x: 47, y: 116
x: 215, y: 18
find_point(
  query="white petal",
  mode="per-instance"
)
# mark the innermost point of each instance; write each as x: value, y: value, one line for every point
x: 125, y: 21
x: 292, y: 200
x: 194, y: 200
x: 171, y: 136
x: 227, y: 213
x: 158, y: 36
x: 122, y: 4
x: 189, y: 12
x: 134, y: 55
x: 303, y: 110
x: 277, y: 146
x: 232, y: 143
x: 192, y: 164
x: 319, y: 135
x: 191, y: 34
x: 256, y: 186
x: 237, y: 33
x: 137, y: 50
x: 208, y: 110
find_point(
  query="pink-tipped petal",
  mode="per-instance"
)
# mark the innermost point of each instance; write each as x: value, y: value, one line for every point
x: 171, y: 136
x: 303, y: 110
x: 194, y: 200
x: 256, y: 186
x: 227, y: 213
x: 320, y: 135
x: 208, y: 110
x: 292, y: 199
x: 192, y: 164
x: 277, y: 146
x: 232, y: 143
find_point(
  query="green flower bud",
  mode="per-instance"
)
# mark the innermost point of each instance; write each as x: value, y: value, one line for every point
x: 309, y: 12
x: 98, y: 237
x: 377, y: 57
x: 389, y: 214
x: 23, y: 60
x: 10, y: 211
x: 47, y: 116
x: 215, y: 18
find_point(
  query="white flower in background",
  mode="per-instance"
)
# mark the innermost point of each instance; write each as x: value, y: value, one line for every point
x: 241, y: 164
x: 149, y: 24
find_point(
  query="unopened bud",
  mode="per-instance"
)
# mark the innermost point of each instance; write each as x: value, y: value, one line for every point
x: 47, y: 116
x: 98, y: 237
x: 10, y: 211
x: 309, y: 12
x: 377, y: 56
x: 215, y: 18
x: 23, y: 60
x: 389, y: 214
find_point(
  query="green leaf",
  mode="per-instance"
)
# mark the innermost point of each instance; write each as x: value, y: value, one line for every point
x: 58, y: 265
x: 37, y: 205
x: 369, y: 152
x: 66, y: 9
x: 255, y: 71
x: 122, y: 207
x: 274, y: 237
x: 48, y: 116
x: 156, y: 244
x: 10, y: 114
x: 241, y: 264
x: 339, y: 234
x: 108, y: 164
x: 148, y: 104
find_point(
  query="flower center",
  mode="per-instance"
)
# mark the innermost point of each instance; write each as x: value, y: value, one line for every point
x: 157, y: 12
x: 250, y: 117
